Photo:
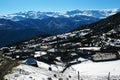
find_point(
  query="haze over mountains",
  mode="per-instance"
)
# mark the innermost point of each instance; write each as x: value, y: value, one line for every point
x: 25, y: 25
x: 42, y: 15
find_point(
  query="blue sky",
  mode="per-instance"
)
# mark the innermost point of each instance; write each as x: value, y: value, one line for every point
x: 13, y: 6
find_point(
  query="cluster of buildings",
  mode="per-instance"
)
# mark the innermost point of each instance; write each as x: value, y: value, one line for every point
x: 67, y: 47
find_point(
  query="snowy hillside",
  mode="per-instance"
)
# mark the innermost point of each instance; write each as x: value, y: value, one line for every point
x: 87, y: 71
x: 42, y: 15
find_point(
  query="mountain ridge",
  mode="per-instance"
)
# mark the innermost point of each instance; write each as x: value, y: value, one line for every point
x: 28, y: 28
x: 42, y: 15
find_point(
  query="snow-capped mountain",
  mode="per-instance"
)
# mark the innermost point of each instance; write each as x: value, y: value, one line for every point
x: 94, y: 13
x: 34, y: 23
x: 42, y: 15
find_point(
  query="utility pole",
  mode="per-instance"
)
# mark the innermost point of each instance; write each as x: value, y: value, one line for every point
x: 78, y: 75
x: 109, y: 76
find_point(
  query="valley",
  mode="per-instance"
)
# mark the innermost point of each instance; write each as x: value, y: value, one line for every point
x: 21, y: 26
x: 89, y: 52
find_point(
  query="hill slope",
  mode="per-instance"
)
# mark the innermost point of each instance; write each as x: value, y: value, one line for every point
x: 36, y: 23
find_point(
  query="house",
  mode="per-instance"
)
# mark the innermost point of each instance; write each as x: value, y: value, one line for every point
x: 5, y: 49
x: 117, y: 45
x: 37, y: 48
x: 8, y: 54
x: 32, y: 62
x: 111, y: 48
x: 21, y: 55
x: 44, y: 47
x: 104, y: 56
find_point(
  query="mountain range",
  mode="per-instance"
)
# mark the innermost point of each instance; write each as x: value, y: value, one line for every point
x: 42, y: 15
x: 25, y: 25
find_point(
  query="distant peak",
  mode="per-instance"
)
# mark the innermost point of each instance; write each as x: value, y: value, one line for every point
x: 98, y: 13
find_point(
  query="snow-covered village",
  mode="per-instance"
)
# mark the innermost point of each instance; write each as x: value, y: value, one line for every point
x: 76, y: 55
x: 59, y: 40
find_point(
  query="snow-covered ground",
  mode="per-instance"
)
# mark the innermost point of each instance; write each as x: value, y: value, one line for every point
x: 99, y: 70
x: 88, y: 70
x: 90, y: 48
x: 39, y: 53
